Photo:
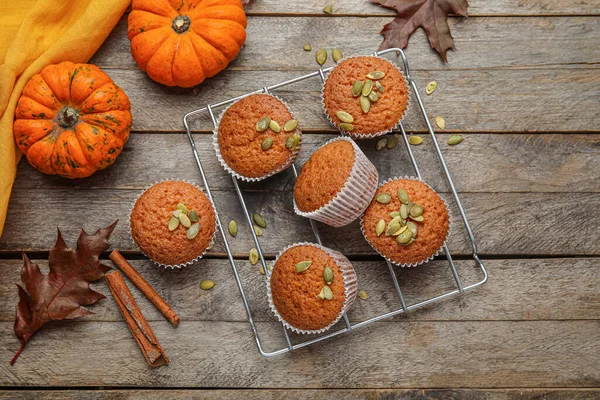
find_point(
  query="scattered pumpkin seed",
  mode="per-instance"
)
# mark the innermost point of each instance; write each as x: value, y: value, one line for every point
x: 185, y: 221
x: 373, y: 96
x: 418, y: 219
x: 404, y: 211
x: 193, y: 231
x: 345, y: 117
x: 193, y: 215
x: 259, y: 220
x: 383, y: 198
x: 233, y: 228
x: 261, y: 270
x: 454, y: 140
x: 415, y: 140
x: 381, y: 144
x: 328, y: 275
x: 290, y: 125
x: 346, y: 127
x: 257, y: 231
x: 375, y: 75
x: 274, y: 126
x: 290, y: 143
x: 380, y: 227
x: 393, y: 227
x: 266, y: 143
x: 363, y: 295
x: 399, y: 231
x: 328, y: 9
x: 182, y: 207
x: 440, y: 122
x: 176, y: 213
x: 307, y: 47
x: 337, y: 55
x: 431, y: 86
x: 321, y: 56
x: 416, y: 210
x: 253, y: 256
x: 263, y: 123
x: 367, y: 87
x: 357, y: 88
x: 413, y: 228
x: 403, y: 196
x: 404, y: 237
x: 326, y: 293
x: 395, y: 214
x: 392, y: 142
x: 207, y: 284
x: 173, y: 224
x: 379, y: 86
x: 303, y: 266
x: 365, y: 104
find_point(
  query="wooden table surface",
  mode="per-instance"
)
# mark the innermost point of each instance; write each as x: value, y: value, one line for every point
x: 523, y: 88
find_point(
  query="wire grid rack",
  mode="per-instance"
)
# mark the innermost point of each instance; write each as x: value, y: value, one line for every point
x: 347, y: 326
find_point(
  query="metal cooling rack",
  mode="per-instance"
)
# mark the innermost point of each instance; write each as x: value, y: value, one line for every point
x: 460, y: 287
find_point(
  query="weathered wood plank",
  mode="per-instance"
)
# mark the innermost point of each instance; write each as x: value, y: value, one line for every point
x: 498, y: 224
x: 537, y: 163
x: 536, y: 289
x: 480, y: 42
x: 536, y: 100
x: 499, y: 354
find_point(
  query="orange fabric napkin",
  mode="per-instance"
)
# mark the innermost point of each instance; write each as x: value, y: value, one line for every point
x: 34, y: 34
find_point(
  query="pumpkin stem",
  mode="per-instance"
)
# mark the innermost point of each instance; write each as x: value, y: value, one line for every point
x: 181, y: 23
x: 68, y: 116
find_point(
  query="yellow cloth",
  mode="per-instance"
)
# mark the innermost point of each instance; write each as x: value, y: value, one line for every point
x: 34, y: 34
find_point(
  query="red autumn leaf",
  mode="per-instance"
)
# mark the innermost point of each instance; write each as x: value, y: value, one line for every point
x: 431, y: 15
x: 61, y: 293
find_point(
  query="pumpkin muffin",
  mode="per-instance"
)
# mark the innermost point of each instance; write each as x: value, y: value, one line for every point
x: 310, y: 287
x: 257, y: 137
x: 173, y: 223
x: 407, y: 222
x: 336, y: 184
x: 365, y: 96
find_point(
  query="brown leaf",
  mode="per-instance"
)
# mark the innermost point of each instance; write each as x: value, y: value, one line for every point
x: 431, y: 15
x: 61, y: 293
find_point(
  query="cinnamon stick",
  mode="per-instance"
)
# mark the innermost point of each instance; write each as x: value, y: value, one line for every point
x: 144, y: 287
x: 141, y: 331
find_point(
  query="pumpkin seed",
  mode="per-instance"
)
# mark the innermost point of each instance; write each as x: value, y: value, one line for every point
x: 326, y: 293
x: 415, y: 140
x: 253, y: 256
x: 259, y: 220
x: 373, y: 96
x: 431, y: 86
x: 367, y: 87
x: 290, y: 143
x: 363, y: 295
x: 357, y: 88
x: 176, y: 213
x: 380, y: 227
x: 182, y: 207
x: 337, y: 55
x: 392, y: 142
x: 263, y: 124
x: 413, y: 228
x: 274, y: 126
x: 173, y: 224
x: 399, y: 231
x: 403, y: 211
x: 395, y: 214
x: 258, y: 231
x: 345, y: 117
x: 346, y: 127
x: 404, y: 237
x: 321, y: 56
x: 383, y: 198
x: 440, y: 122
x: 416, y: 210
x: 365, y: 104
x: 303, y: 266
x: 193, y: 215
x: 420, y: 218
x: 233, y: 228
x: 290, y: 125
x: 185, y: 221
x: 193, y: 231
x: 207, y: 284
x: 393, y: 227
x: 266, y: 143
x: 403, y: 196
x: 379, y: 86
x: 328, y: 275
x: 381, y: 144
x: 328, y: 9
x: 261, y: 270
x: 307, y: 47
x: 455, y: 139
x: 376, y: 75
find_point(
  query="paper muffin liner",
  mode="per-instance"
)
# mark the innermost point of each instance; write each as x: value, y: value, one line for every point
x: 182, y: 265
x: 350, y: 286
x: 426, y: 260
x: 354, y: 197
x: 217, y: 147
x: 358, y: 135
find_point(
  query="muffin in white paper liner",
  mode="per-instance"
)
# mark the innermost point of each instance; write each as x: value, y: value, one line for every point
x: 182, y: 265
x: 354, y: 197
x: 295, y: 151
x: 350, y: 286
x: 358, y: 135
x: 431, y: 257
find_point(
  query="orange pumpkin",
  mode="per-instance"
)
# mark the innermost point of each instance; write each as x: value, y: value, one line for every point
x: 183, y: 42
x: 72, y: 120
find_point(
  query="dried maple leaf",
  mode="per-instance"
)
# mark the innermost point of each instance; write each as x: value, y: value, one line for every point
x: 61, y: 293
x: 431, y: 15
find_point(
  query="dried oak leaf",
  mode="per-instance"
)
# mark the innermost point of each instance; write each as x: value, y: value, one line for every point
x: 61, y: 293
x: 431, y: 15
